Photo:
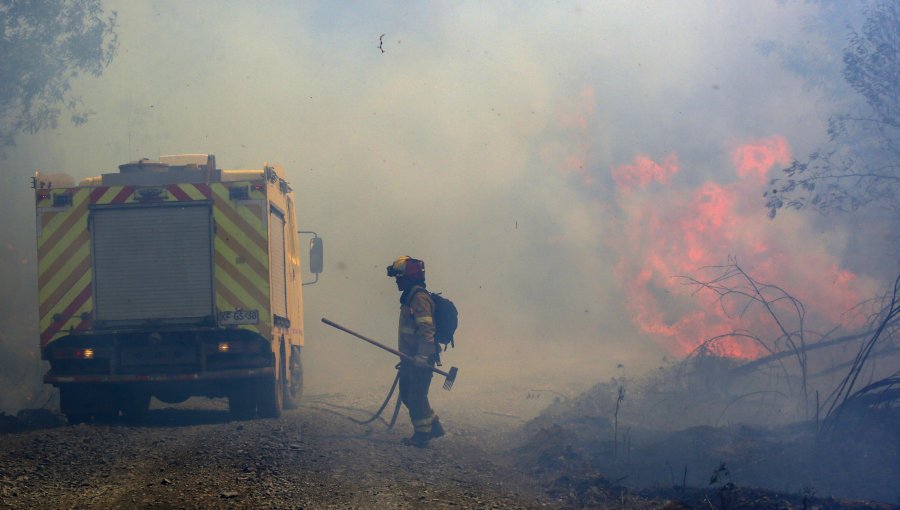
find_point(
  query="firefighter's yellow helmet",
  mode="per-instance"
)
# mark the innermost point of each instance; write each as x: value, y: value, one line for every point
x: 407, y: 266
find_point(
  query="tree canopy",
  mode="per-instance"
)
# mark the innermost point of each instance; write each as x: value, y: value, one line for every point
x: 45, y: 45
x: 859, y: 165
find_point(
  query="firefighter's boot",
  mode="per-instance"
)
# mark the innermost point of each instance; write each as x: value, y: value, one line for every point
x: 418, y: 439
x: 437, y: 430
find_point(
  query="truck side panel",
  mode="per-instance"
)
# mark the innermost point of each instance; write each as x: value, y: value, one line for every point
x: 281, y: 200
x: 295, y: 289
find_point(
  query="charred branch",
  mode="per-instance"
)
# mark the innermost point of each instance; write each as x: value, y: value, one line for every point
x: 825, y: 342
x: 844, y: 395
x: 735, y: 285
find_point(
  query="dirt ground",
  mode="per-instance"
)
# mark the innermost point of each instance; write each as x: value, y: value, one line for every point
x: 193, y: 455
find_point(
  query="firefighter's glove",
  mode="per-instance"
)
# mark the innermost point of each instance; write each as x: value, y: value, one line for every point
x: 421, y: 361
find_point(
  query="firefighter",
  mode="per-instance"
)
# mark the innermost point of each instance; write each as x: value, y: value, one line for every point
x: 416, y: 339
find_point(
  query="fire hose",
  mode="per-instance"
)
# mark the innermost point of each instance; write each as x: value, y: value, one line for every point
x: 448, y: 382
x: 383, y: 405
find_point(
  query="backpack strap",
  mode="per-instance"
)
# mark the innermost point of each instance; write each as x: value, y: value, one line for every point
x: 415, y: 291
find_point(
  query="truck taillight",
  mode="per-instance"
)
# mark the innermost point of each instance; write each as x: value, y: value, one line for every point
x: 234, y: 346
x: 258, y: 186
x: 85, y: 353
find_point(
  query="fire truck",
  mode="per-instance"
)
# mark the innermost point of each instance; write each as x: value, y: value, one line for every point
x: 171, y: 279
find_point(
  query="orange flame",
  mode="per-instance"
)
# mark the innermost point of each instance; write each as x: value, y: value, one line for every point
x: 644, y: 171
x: 672, y: 230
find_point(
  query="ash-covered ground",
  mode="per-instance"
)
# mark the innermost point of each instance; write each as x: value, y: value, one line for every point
x: 696, y: 432
x: 539, y: 439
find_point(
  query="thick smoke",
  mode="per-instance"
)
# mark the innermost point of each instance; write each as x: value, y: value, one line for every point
x: 513, y: 147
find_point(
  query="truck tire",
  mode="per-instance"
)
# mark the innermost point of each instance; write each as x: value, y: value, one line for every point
x: 242, y: 402
x: 270, y: 397
x: 70, y: 404
x: 77, y: 418
x: 172, y: 396
x: 293, y: 388
x: 134, y: 404
x: 81, y: 401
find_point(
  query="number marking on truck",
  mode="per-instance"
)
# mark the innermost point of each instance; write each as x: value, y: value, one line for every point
x: 228, y: 317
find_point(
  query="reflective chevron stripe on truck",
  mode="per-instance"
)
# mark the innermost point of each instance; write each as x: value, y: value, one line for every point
x: 65, y: 261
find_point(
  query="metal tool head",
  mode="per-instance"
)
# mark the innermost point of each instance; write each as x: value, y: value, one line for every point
x: 451, y: 378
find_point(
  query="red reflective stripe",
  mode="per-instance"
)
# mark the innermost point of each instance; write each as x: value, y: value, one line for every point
x: 178, y: 193
x: 66, y: 314
x: 97, y: 193
x: 123, y: 195
x: 205, y: 190
x: 222, y: 374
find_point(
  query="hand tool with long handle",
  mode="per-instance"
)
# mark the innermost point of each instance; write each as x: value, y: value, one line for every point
x: 450, y: 376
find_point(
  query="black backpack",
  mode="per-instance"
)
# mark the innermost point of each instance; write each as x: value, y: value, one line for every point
x: 446, y: 319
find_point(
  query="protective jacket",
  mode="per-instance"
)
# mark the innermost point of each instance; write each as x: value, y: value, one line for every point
x: 416, y: 337
x: 416, y: 331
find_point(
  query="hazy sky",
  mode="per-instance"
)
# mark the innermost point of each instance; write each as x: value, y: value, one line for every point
x: 483, y: 138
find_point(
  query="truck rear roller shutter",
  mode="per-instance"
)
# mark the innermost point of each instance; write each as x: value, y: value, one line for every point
x: 152, y: 264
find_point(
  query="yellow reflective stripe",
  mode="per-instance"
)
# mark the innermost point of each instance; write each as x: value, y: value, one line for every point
x: 225, y: 227
x: 251, y: 298
x: 111, y: 193
x: 252, y: 214
x: 44, y: 218
x: 257, y: 276
x: 257, y: 232
x: 78, y: 208
x: 226, y: 300
x: 408, y: 331
x: 66, y: 299
x: 64, y: 226
x: 74, y: 261
x: 58, y: 255
x: 73, y: 321
x: 108, y: 195
x: 256, y: 212
x: 423, y: 425
x: 425, y: 319
x: 49, y: 297
x: 71, y: 238
x: 192, y: 191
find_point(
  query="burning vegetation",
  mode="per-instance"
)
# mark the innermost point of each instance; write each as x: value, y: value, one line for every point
x: 810, y: 418
x: 680, y: 228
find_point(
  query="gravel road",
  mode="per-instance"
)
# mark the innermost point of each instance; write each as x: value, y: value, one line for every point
x: 194, y: 456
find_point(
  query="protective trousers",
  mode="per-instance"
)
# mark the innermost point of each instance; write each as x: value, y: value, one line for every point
x: 414, y: 384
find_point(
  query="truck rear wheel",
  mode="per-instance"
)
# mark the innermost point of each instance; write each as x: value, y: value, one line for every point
x: 77, y: 418
x: 134, y: 404
x: 270, y: 397
x: 79, y: 402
